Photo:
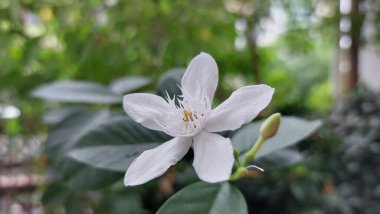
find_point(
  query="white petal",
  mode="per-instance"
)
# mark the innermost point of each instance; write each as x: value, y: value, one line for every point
x: 146, y: 109
x: 201, y: 76
x: 213, y: 157
x: 241, y: 107
x: 154, y: 162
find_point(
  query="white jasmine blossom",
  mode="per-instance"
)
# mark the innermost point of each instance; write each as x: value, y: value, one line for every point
x: 190, y: 119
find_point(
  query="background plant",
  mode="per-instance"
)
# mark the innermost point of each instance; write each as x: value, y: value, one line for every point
x: 85, y: 49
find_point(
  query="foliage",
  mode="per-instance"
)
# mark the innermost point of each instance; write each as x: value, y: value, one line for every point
x: 101, y: 144
x: 82, y: 57
x: 357, y: 122
x: 291, y: 131
x: 206, y: 198
x: 99, y: 41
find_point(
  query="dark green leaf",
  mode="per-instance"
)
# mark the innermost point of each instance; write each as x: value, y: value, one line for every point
x: 170, y: 81
x: 115, y: 157
x: 55, y: 194
x: 128, y: 202
x: 77, y: 91
x: 59, y: 194
x: 83, y: 177
x: 203, y: 197
x: 75, y: 204
x: 121, y: 130
x: 66, y: 134
x: 64, y: 137
x: 292, y: 130
x: 129, y: 84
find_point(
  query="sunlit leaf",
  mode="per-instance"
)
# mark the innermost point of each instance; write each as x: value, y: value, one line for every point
x: 57, y: 115
x: 128, y: 84
x: 77, y: 91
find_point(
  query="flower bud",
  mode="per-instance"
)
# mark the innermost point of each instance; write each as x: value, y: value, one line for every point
x: 270, y: 126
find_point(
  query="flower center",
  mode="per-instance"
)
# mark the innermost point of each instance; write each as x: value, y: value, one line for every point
x: 188, y: 116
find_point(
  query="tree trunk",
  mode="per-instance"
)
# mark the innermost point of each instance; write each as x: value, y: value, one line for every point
x: 252, y: 45
x: 354, y: 51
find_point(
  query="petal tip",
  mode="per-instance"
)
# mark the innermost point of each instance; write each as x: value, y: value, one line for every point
x: 269, y: 88
x: 272, y: 89
x: 204, y: 55
x: 128, y: 182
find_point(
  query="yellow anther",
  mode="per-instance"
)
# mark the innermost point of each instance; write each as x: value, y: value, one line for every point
x: 187, y: 116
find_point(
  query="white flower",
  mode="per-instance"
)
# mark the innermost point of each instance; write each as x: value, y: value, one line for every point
x: 191, y: 122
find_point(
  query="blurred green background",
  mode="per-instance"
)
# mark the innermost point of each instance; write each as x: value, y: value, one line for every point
x: 309, y: 51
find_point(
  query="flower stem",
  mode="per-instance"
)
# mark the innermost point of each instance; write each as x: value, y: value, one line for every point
x: 252, y: 152
x: 240, y: 172
x: 267, y: 130
x: 236, y: 156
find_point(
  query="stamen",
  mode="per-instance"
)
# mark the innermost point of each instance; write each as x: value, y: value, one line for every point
x: 188, y: 116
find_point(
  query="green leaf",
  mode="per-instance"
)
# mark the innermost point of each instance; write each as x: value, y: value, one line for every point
x: 64, y: 137
x: 128, y: 202
x: 204, y: 197
x: 57, y: 115
x: 115, y: 158
x: 75, y: 204
x: 83, y: 177
x: 66, y: 134
x: 170, y: 81
x: 58, y: 194
x: 128, y: 84
x: 292, y: 130
x: 55, y: 194
x: 78, y: 92
x: 121, y: 130
x: 280, y: 158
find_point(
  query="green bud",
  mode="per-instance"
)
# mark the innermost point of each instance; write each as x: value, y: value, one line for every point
x: 270, y: 126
